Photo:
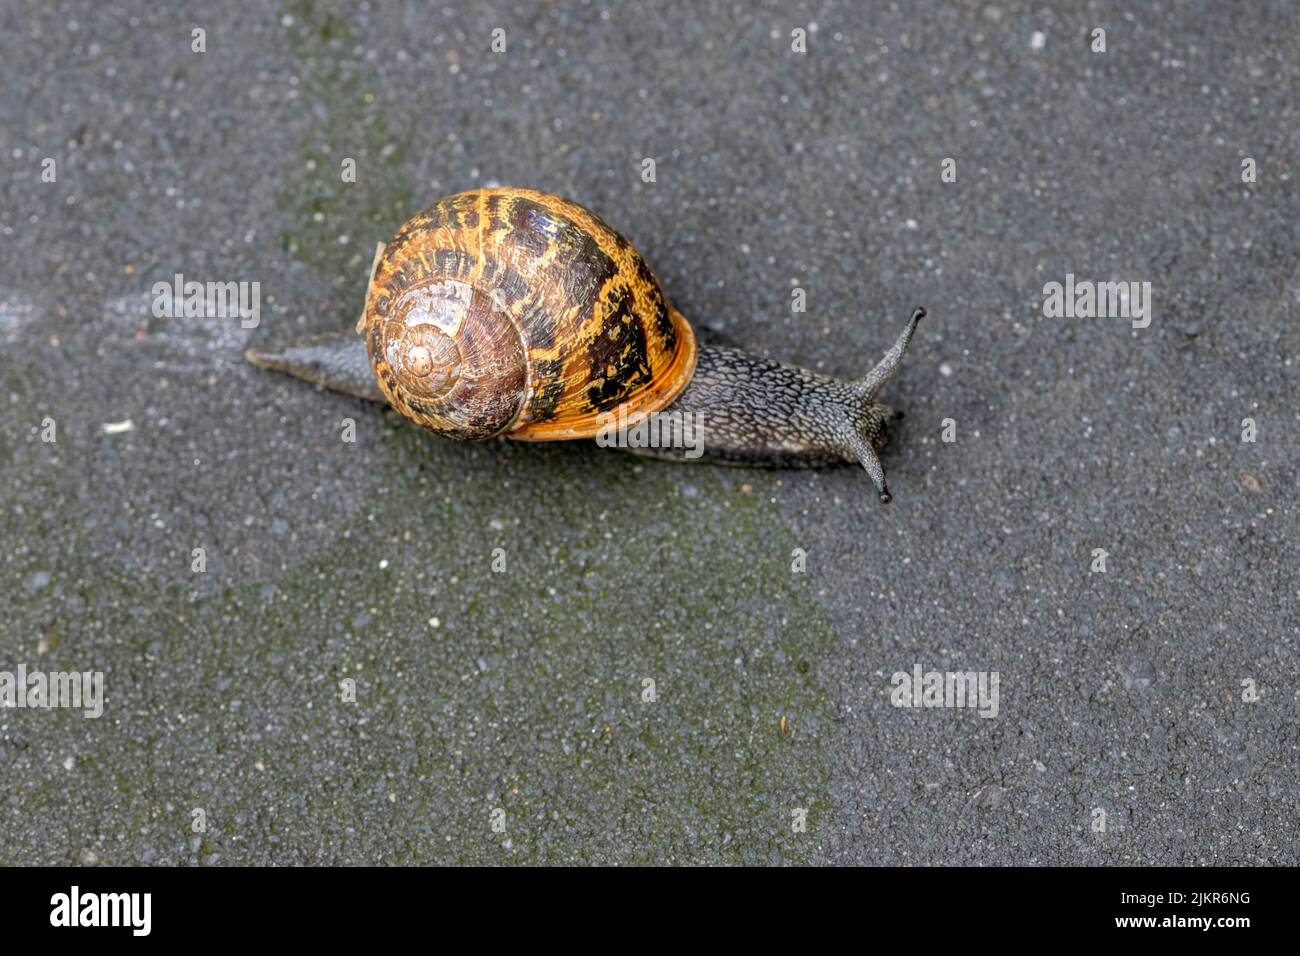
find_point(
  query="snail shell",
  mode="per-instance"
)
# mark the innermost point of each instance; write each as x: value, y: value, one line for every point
x: 512, y: 311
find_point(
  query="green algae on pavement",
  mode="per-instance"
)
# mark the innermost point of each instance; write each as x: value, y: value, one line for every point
x: 318, y: 206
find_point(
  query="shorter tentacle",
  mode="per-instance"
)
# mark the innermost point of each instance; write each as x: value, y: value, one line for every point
x: 866, y: 454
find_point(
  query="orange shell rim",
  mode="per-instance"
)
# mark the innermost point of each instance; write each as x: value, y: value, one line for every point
x: 653, y: 398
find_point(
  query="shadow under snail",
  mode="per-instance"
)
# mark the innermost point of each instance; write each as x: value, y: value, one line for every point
x: 515, y: 312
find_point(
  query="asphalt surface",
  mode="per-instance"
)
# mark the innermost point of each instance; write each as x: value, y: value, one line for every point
x: 1121, y: 693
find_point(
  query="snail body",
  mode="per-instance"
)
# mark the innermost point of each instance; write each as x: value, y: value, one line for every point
x: 518, y: 313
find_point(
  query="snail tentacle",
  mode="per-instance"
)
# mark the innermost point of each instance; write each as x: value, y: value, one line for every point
x: 875, y: 380
x: 866, y: 454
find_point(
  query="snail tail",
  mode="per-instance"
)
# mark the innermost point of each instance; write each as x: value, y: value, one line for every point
x: 336, y: 360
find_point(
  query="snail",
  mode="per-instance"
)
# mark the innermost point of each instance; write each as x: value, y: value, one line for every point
x: 518, y: 313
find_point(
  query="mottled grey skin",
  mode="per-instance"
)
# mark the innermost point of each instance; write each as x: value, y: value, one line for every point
x: 335, y: 360
x: 750, y: 411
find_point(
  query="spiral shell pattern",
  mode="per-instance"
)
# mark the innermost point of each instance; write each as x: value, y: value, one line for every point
x: 512, y: 311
